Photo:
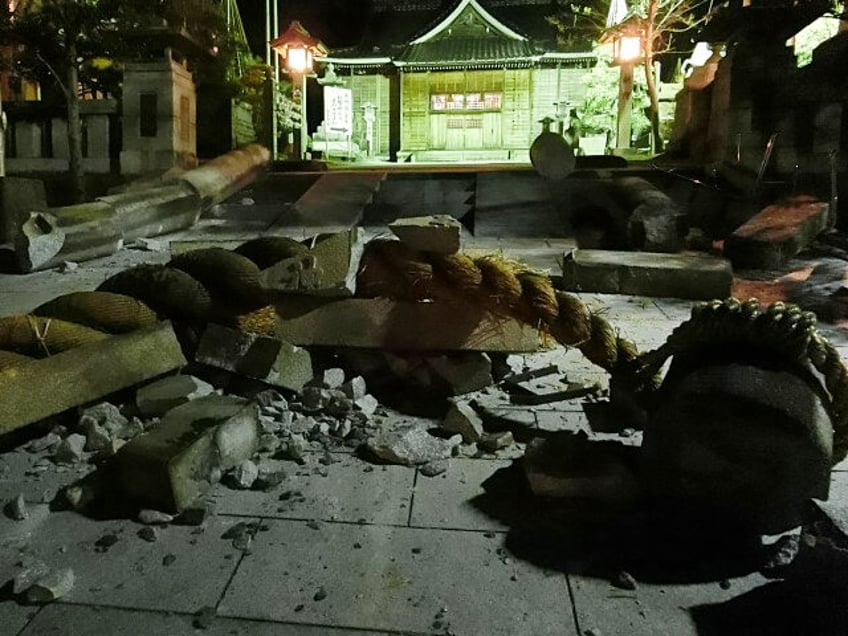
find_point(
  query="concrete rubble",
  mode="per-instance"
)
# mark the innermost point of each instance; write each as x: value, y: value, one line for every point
x: 411, y: 445
x: 463, y: 419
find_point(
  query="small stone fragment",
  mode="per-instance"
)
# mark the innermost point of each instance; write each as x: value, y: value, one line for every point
x: 78, y: 497
x: 15, y: 508
x: 148, y: 533
x: 96, y: 438
x: 168, y: 559
x: 431, y: 469
x: 367, y: 404
x: 355, y: 388
x: 268, y: 478
x: 106, y: 415
x: 105, y: 542
x: 592, y: 632
x: 154, y: 517
x: 411, y: 445
x: 339, y: 405
x: 32, y: 572
x: 70, y: 450
x: 271, y: 397
x: 245, y: 474
x: 43, y: 443
x: 51, y: 587
x: 315, y: 398
x: 68, y: 266
x: 296, y: 448
x: 624, y: 580
x: 331, y: 378
x: 320, y: 595
x: 111, y: 449
x: 463, y: 419
x: 492, y: 442
x: 781, y: 554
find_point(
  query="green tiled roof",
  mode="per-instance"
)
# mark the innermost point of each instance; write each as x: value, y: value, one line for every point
x: 466, y: 49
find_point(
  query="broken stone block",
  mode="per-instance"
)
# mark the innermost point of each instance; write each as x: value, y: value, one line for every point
x: 463, y: 372
x: 574, y: 466
x: 88, y: 373
x: 271, y: 398
x: 294, y: 274
x: 776, y: 234
x: 463, y: 419
x: 493, y: 442
x: 339, y: 404
x: 267, y: 359
x: 355, y: 388
x: 170, y: 466
x: 15, y: 509
x: 439, y: 233
x: 111, y: 449
x: 51, y: 587
x: 70, y: 450
x: 337, y: 257
x: 411, y: 445
x: 161, y: 396
x: 367, y: 404
x: 245, y: 474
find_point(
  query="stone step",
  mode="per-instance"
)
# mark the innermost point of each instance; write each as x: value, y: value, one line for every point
x: 647, y: 274
x: 338, y: 199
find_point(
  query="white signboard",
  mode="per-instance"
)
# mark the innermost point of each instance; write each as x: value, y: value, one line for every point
x: 338, y: 109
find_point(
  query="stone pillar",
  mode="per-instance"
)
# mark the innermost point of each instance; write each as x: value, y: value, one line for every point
x: 159, y: 117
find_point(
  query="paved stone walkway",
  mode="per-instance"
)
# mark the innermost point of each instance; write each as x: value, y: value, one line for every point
x: 367, y: 549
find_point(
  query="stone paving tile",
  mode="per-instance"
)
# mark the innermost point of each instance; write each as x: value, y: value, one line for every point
x: 353, y: 490
x: 563, y: 421
x: 186, y: 569
x: 378, y: 577
x: 448, y: 500
x: 14, y: 617
x: 651, y: 609
x: 616, y: 308
x: 676, y: 309
x: 62, y: 619
x: 37, y: 486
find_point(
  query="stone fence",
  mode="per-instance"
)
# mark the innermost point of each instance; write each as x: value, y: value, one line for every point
x: 37, y: 137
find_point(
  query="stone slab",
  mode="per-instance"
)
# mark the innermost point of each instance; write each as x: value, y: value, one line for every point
x: 132, y: 572
x: 169, y: 467
x: 397, y: 579
x: 403, y: 326
x: 447, y: 501
x: 643, y: 274
x: 338, y: 198
x: 14, y: 617
x: 260, y: 357
x: 653, y: 608
x: 353, y: 491
x: 45, y: 387
x: 84, y: 619
x: 776, y: 234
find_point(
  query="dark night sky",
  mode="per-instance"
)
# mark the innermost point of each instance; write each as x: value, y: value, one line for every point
x: 336, y: 22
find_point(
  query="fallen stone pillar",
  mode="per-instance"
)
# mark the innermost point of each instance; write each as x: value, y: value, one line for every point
x: 647, y: 274
x: 154, y: 211
x: 381, y: 323
x: 18, y: 197
x: 221, y: 177
x: 40, y: 388
x: 260, y: 357
x: 655, y: 223
x: 172, y: 465
x: 75, y: 233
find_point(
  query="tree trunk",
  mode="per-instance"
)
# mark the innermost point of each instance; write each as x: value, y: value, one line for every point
x: 74, y: 128
x: 654, y: 109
